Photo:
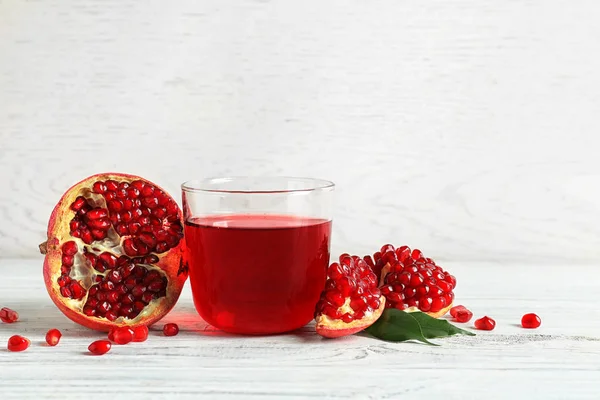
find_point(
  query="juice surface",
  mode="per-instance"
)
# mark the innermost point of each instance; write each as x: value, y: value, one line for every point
x: 257, y: 274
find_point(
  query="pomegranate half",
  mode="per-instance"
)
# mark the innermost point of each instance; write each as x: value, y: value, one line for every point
x: 115, y: 252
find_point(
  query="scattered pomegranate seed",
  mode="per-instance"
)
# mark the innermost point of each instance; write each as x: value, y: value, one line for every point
x: 170, y: 329
x: 9, y: 316
x: 53, y: 337
x: 531, y: 321
x: 140, y: 333
x: 485, y: 323
x: 455, y: 309
x: 463, y: 315
x: 99, y: 347
x: 122, y: 335
x: 18, y: 343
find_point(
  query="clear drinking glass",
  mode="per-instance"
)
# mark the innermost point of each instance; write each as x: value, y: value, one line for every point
x: 258, y: 250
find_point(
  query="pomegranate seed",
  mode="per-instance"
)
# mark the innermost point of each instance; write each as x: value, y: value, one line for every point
x: 18, y: 343
x: 99, y: 347
x: 455, y: 309
x: 437, y: 304
x: 463, y: 315
x: 140, y: 333
x: 425, y: 303
x: 122, y: 335
x: 170, y: 329
x: 96, y: 213
x: 485, y: 323
x: 531, y: 321
x: 69, y: 248
x: 53, y: 337
x: 99, y: 187
x: 8, y: 316
x: 78, y: 203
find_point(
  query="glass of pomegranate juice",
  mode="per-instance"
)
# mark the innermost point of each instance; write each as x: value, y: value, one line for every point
x: 258, y: 250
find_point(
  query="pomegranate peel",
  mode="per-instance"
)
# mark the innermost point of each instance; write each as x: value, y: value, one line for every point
x: 115, y: 252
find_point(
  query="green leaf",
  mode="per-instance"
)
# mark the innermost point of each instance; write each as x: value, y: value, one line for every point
x: 399, y: 326
x: 434, y: 328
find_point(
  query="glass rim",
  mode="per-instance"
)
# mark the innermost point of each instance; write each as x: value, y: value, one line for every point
x: 204, y: 185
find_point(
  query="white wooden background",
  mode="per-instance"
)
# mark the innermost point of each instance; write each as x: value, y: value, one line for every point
x: 467, y: 128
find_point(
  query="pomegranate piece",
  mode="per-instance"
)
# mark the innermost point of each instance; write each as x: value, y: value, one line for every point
x: 140, y: 333
x: 121, y: 335
x: 531, y: 321
x: 408, y: 279
x: 463, y: 315
x: 53, y: 337
x: 351, y: 300
x: 99, y: 347
x: 114, y: 255
x: 170, y: 329
x: 8, y: 316
x: 485, y: 324
x: 18, y: 343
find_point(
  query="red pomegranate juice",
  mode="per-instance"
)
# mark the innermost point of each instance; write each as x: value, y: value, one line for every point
x: 257, y: 274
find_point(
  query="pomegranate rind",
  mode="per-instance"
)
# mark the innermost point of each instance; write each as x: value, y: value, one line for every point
x: 59, y: 232
x: 334, y: 328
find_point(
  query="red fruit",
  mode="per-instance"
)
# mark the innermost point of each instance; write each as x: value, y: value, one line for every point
x: 9, y: 316
x: 351, y: 300
x: 485, y: 324
x: 410, y: 280
x: 97, y: 260
x: 140, y: 333
x: 463, y: 315
x: 18, y: 343
x: 53, y: 337
x: 531, y: 321
x: 455, y: 309
x: 121, y: 335
x: 99, y: 347
x: 170, y: 329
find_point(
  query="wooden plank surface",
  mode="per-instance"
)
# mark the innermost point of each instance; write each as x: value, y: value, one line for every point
x: 558, y: 361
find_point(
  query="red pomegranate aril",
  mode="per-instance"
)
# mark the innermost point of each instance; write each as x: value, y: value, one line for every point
x: 147, y: 297
x: 99, y: 347
x: 96, y: 213
x: 123, y: 230
x: 140, y: 333
x: 86, y: 236
x: 485, y: 324
x: 531, y: 321
x: 139, y: 306
x: 463, y: 315
x: 161, y: 247
x: 150, y: 202
x: 425, y: 304
x: 8, y: 315
x: 170, y: 329
x: 437, y: 304
x: 18, y: 343
x: 99, y: 188
x: 98, y: 234
x: 111, y: 315
x: 122, y: 335
x: 53, y: 337
x: 89, y: 311
x: 138, y: 290
x: 111, y: 185
x: 78, y: 203
x: 77, y: 290
x: 69, y: 248
x: 67, y: 261
x: 112, y: 296
x: 455, y: 309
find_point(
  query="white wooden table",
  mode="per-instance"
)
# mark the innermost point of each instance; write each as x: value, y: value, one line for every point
x: 560, y: 360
